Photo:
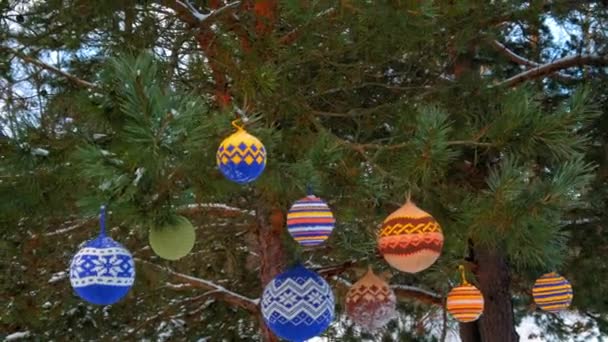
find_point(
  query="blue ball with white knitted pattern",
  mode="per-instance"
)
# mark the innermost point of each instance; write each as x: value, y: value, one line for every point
x: 297, y: 304
x: 102, y: 271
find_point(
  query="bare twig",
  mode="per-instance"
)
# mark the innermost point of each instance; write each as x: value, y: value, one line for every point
x: 549, y: 68
x: 56, y: 71
x: 217, y: 291
x: 422, y: 295
x: 524, y: 61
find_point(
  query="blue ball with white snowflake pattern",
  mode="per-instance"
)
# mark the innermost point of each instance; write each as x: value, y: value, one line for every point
x: 298, y: 304
x: 102, y: 272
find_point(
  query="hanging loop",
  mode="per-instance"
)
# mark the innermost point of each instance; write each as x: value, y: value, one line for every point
x: 102, y: 221
x: 408, y: 196
x: 309, y: 191
x: 463, y: 277
x: 236, y: 124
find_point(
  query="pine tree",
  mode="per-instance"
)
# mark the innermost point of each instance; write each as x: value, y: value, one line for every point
x: 491, y: 122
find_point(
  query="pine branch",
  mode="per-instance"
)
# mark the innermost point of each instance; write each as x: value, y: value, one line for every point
x: 206, y: 38
x: 221, y: 210
x: 56, y: 71
x: 218, y: 291
x: 549, y: 68
x: 330, y: 271
x: 524, y: 61
x: 401, y: 291
x: 294, y: 34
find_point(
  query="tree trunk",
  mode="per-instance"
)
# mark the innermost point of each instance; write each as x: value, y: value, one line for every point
x: 270, y: 249
x: 469, y: 332
x: 497, y: 323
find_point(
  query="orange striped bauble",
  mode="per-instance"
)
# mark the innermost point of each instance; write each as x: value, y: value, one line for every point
x: 552, y: 292
x: 410, y: 239
x: 465, y: 303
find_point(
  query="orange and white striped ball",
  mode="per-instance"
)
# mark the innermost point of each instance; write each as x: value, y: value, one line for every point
x: 465, y: 303
x: 552, y: 292
x: 410, y: 239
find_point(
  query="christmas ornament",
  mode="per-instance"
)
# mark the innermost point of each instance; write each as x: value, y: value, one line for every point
x: 297, y: 304
x: 174, y: 240
x: 370, y: 302
x: 310, y: 221
x: 465, y: 302
x: 241, y: 157
x: 102, y: 271
x: 552, y: 292
x: 410, y: 239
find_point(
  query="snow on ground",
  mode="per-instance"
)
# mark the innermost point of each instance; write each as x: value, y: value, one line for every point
x: 529, y: 331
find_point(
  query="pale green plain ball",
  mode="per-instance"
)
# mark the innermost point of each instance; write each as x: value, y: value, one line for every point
x: 174, y: 240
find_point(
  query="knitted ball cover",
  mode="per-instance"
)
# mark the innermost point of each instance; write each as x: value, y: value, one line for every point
x: 370, y: 302
x: 297, y: 304
x: 174, y: 240
x: 241, y: 157
x: 410, y: 239
x: 102, y: 271
x: 465, y: 303
x: 552, y: 292
x: 310, y: 221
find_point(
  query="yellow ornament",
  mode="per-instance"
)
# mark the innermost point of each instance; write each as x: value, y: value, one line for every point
x: 241, y: 157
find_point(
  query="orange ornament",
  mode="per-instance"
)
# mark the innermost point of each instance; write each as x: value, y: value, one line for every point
x: 410, y: 239
x: 465, y: 302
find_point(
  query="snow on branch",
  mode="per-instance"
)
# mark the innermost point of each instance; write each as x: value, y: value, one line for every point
x: 217, y: 206
x: 17, y: 336
x: 549, y: 68
x: 216, y: 291
x: 74, y: 226
x: 188, y: 13
x: 221, y: 209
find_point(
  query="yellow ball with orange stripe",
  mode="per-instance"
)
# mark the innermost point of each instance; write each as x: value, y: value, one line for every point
x: 552, y: 292
x: 410, y: 239
x: 465, y: 303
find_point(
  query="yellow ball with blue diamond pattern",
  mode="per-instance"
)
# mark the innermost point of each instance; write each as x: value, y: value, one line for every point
x: 241, y: 157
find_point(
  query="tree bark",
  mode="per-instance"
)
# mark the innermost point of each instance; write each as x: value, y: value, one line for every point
x: 270, y: 249
x: 469, y: 332
x: 496, y: 323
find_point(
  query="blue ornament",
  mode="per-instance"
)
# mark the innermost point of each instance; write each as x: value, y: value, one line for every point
x: 103, y: 270
x: 241, y: 157
x: 297, y: 304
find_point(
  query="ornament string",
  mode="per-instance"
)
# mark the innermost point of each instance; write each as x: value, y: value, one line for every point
x: 309, y: 191
x: 102, y: 221
x: 463, y: 277
x: 408, y: 196
x: 235, y: 124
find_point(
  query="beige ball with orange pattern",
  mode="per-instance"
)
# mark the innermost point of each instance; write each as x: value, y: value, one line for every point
x: 410, y: 239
